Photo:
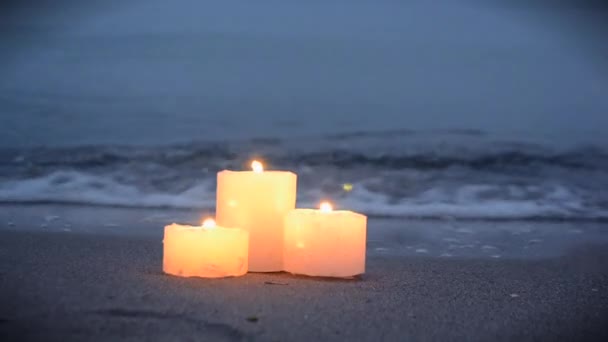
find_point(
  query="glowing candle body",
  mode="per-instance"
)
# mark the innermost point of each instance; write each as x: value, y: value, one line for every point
x: 325, y: 243
x: 213, y: 252
x: 257, y: 202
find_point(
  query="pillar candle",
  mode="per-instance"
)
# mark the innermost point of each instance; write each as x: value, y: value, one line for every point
x: 257, y: 201
x: 325, y: 243
x: 208, y: 251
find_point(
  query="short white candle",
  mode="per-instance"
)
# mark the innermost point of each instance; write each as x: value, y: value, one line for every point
x: 207, y: 251
x: 325, y: 242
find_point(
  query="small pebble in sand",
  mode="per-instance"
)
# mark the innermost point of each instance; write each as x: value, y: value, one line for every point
x: 275, y: 283
x: 422, y: 250
x: 514, y: 295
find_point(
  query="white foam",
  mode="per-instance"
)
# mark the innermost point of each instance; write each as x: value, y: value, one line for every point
x: 467, y: 201
x: 82, y: 188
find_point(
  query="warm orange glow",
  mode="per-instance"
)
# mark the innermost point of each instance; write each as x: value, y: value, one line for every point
x: 326, y: 207
x: 319, y: 244
x: 257, y: 202
x: 209, y: 223
x: 192, y: 251
x: 257, y: 166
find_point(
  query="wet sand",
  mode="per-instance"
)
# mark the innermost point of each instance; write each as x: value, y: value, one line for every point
x: 90, y: 284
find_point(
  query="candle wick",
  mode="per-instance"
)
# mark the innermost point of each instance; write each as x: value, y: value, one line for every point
x: 209, y: 223
x: 257, y: 166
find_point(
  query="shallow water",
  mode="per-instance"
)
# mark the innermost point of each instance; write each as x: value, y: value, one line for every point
x: 449, y: 239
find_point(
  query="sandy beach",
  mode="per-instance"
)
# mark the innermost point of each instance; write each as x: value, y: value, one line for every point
x: 68, y: 280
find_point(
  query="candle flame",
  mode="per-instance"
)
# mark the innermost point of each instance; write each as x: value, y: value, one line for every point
x: 257, y: 166
x: 325, y: 207
x: 209, y: 223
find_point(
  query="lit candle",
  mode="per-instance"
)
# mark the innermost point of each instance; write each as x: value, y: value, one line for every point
x: 325, y: 242
x: 257, y: 201
x: 208, y: 251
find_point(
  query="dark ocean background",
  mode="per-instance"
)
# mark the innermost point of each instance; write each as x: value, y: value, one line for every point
x: 436, y: 109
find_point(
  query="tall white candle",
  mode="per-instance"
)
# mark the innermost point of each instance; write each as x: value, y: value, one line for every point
x: 257, y: 201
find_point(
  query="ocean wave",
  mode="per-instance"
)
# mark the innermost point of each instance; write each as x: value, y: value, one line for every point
x: 81, y: 188
x: 462, y: 201
x: 388, y: 175
x: 221, y: 155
